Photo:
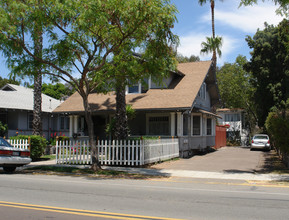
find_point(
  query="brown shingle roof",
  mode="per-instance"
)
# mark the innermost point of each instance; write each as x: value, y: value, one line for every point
x: 181, y: 96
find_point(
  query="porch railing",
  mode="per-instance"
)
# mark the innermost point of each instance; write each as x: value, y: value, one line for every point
x: 122, y: 153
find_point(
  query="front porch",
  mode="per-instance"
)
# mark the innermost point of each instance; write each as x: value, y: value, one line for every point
x: 195, y: 130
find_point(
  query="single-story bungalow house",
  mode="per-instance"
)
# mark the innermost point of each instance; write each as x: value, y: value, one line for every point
x: 235, y: 118
x: 181, y: 106
x: 16, y: 110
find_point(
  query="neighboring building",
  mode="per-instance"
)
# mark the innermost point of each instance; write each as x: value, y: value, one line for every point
x: 235, y: 118
x: 16, y: 110
x: 180, y: 106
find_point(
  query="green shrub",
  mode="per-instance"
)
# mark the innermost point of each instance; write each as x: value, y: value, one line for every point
x: 37, y: 144
x: 3, y: 129
x: 60, y: 138
x: 278, y: 128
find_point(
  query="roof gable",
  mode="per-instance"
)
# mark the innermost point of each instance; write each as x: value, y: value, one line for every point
x: 19, y: 97
x: 180, y: 95
x: 8, y: 87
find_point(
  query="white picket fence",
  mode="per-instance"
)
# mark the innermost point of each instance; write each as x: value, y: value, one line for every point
x: 123, y: 153
x: 21, y: 144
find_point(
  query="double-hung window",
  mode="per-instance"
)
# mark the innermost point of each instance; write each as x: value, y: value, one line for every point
x: 196, y: 125
x: 209, y: 126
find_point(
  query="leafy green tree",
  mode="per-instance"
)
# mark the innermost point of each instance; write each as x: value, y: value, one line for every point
x: 3, y: 129
x: 95, y: 38
x: 269, y: 66
x: 235, y: 88
x: 4, y: 81
x: 184, y: 59
x: 283, y: 9
x: 57, y: 91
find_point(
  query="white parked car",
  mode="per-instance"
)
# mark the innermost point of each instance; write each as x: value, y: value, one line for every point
x: 261, y: 141
x: 11, y: 157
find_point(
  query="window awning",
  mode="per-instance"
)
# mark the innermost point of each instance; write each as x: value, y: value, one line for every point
x: 209, y: 113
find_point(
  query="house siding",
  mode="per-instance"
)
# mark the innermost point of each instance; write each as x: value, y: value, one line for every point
x: 203, y: 103
x: 235, y: 126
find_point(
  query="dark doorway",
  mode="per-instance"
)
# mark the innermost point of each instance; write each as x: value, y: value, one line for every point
x: 99, y: 126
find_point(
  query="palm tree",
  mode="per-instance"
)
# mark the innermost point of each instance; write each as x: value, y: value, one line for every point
x: 37, y: 102
x: 201, y: 2
x: 212, y: 45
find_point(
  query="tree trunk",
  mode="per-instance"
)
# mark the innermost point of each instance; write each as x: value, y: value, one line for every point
x: 213, y: 17
x: 121, y: 125
x: 37, y: 104
x: 94, y: 150
x: 214, y: 58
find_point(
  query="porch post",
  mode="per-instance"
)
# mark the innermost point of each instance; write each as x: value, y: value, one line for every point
x: 179, y: 124
x: 70, y: 125
x: 82, y: 125
x: 173, y: 124
x: 75, y: 130
x: 189, y: 124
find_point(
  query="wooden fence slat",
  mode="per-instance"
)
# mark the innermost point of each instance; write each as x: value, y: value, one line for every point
x: 136, y: 153
x: 87, y: 153
x: 111, y: 152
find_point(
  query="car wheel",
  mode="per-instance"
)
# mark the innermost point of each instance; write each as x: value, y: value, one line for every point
x: 9, y: 169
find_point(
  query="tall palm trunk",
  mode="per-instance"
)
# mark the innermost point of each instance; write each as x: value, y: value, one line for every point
x: 214, y: 58
x: 121, y: 126
x: 37, y: 104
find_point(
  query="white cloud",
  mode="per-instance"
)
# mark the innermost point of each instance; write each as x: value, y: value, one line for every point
x: 191, y: 45
x: 248, y: 19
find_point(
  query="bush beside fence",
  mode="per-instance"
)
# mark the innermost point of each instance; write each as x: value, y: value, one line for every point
x: 37, y: 144
x: 277, y: 126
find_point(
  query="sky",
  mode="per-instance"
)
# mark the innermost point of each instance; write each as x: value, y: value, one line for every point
x: 233, y: 24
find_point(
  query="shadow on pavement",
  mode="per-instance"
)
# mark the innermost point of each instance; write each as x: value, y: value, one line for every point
x: 272, y: 163
x: 239, y: 171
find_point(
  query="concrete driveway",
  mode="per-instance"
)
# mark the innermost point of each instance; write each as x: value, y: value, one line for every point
x: 226, y: 159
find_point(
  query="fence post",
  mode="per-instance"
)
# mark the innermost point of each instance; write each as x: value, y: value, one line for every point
x: 29, y: 142
x: 56, y: 150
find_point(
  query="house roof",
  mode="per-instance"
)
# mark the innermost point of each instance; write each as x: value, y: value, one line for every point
x: 180, y: 96
x: 19, y: 97
x: 209, y: 113
x: 230, y: 110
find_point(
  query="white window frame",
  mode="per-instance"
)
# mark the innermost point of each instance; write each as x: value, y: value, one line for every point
x: 157, y: 115
x: 65, y: 122
x: 212, y: 127
x: 28, y: 121
x: 201, y: 124
x: 139, y: 89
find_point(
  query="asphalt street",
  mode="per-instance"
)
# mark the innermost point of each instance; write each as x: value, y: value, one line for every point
x: 177, y: 198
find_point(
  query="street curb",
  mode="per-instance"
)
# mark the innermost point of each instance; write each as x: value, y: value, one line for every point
x: 178, y: 173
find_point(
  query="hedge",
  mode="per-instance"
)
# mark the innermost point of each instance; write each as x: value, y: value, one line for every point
x: 60, y: 138
x: 37, y: 144
x: 277, y: 127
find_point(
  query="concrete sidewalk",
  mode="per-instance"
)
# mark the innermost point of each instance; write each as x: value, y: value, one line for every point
x: 181, y: 173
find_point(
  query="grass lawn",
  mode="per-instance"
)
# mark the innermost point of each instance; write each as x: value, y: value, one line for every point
x: 48, y: 157
x: 70, y: 170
